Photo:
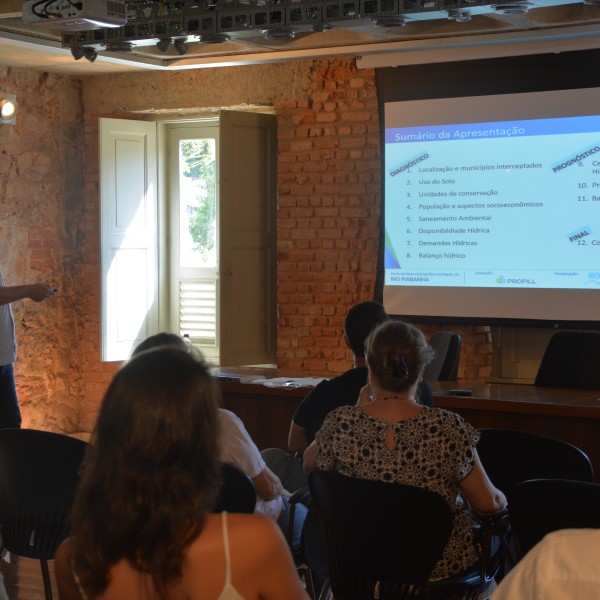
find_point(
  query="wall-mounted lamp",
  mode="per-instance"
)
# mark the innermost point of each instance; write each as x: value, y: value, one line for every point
x: 8, y: 109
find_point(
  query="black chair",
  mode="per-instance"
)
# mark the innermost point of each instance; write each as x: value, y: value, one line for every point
x: 310, y: 557
x: 237, y: 493
x: 444, y: 366
x: 510, y: 457
x: 571, y: 360
x: 383, y: 539
x: 540, y: 506
x: 39, y: 474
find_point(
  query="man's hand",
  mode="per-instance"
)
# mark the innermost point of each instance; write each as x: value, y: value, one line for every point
x: 38, y: 292
x: 267, y: 484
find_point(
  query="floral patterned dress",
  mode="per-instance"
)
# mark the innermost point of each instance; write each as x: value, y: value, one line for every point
x: 432, y: 450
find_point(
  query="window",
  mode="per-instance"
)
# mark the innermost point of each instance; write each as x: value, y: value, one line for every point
x: 189, y: 235
x: 193, y: 229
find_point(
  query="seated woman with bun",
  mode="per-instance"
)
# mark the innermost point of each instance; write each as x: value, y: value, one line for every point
x: 388, y: 436
x: 142, y: 526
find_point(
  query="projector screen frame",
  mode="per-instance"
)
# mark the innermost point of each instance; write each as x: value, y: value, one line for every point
x: 514, y: 75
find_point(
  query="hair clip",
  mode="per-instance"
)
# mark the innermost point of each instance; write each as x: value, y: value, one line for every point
x: 399, y: 367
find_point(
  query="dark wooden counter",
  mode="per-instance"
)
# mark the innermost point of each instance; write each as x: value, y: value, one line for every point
x: 567, y: 414
x: 571, y: 415
x: 266, y: 412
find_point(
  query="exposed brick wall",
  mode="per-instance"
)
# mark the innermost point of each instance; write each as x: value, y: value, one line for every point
x: 329, y: 201
x: 40, y: 218
x: 329, y: 206
x: 328, y: 228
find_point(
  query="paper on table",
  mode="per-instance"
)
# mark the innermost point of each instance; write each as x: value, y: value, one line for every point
x: 292, y: 382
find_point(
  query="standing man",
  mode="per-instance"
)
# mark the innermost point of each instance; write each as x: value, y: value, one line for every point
x: 10, y: 414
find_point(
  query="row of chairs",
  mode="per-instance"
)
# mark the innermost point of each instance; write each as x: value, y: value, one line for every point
x: 384, y: 539
x: 389, y: 550
x: 35, y: 499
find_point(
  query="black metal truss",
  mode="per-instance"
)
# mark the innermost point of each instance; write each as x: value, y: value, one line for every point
x: 149, y: 21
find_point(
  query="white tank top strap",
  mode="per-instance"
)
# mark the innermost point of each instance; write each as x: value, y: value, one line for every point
x: 229, y: 592
x: 226, y: 544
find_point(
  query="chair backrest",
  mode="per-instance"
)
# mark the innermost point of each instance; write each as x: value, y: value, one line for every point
x: 540, y: 506
x: 571, y: 360
x: 39, y: 474
x: 378, y: 535
x: 510, y: 457
x: 237, y: 494
x: 444, y: 366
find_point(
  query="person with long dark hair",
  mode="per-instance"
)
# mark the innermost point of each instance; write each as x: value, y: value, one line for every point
x: 142, y: 526
x: 238, y: 449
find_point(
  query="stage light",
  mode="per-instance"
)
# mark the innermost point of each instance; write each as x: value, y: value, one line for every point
x: 164, y: 44
x: 119, y: 46
x: 389, y: 21
x: 458, y: 15
x: 285, y: 34
x: 213, y: 38
x: 90, y: 53
x: 511, y: 8
x: 180, y: 46
x: 77, y: 52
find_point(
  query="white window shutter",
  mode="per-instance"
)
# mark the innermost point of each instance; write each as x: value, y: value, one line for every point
x: 248, y: 222
x: 129, y: 229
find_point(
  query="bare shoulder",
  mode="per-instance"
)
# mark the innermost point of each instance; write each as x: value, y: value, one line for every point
x: 260, y: 561
x: 242, y: 526
x: 63, y: 556
x: 257, y: 532
x: 242, y: 529
x: 65, y: 581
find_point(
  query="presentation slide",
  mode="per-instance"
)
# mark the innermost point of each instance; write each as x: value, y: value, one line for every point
x: 497, y: 192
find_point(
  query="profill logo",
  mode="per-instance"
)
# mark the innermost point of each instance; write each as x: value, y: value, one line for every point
x: 511, y: 281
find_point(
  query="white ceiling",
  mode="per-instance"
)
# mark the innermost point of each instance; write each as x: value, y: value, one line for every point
x: 550, y: 25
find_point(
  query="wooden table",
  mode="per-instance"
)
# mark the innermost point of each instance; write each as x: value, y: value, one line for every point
x: 571, y: 415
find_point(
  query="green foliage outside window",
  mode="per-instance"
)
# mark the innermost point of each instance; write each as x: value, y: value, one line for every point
x: 199, y: 158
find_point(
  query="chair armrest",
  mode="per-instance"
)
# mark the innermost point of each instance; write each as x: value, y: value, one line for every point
x: 494, y: 536
x: 300, y: 495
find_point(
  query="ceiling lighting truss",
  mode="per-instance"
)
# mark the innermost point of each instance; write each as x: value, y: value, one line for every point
x: 215, y: 21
